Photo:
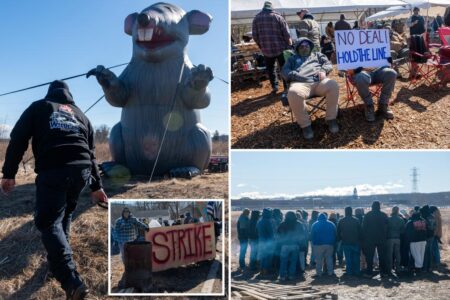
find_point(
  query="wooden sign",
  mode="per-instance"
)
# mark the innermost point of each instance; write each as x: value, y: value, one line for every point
x: 180, y: 245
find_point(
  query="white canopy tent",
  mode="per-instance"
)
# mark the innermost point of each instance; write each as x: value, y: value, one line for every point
x: 243, y: 11
x: 407, y: 8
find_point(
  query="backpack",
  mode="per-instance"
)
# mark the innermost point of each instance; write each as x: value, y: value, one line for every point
x: 418, y: 45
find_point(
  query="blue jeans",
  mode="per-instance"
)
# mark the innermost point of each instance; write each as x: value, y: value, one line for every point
x: 265, y: 252
x: 288, y: 260
x: 242, y: 252
x: 302, y: 260
x: 57, y: 193
x: 427, y: 261
x: 352, y: 261
x: 253, y: 253
x: 435, y: 251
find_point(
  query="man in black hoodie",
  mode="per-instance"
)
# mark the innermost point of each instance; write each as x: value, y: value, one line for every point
x: 63, y: 147
x: 374, y: 228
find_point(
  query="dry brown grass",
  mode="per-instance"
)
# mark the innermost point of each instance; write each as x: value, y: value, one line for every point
x: 422, y: 118
x: 102, y: 152
x: 220, y: 148
x: 22, y: 257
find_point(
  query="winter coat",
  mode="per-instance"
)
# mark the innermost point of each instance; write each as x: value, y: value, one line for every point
x: 374, y: 226
x: 323, y: 232
x: 305, y: 69
x: 265, y: 226
x: 243, y: 226
x: 438, y: 229
x: 416, y: 229
x: 292, y: 232
x: 396, y: 226
x: 252, y: 232
x: 310, y: 29
x: 349, y: 231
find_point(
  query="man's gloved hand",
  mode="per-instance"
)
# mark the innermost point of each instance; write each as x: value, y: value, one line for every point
x: 7, y: 185
x: 99, y: 196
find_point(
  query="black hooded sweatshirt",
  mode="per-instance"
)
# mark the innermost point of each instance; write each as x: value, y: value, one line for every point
x: 349, y: 229
x: 375, y: 225
x: 61, y: 136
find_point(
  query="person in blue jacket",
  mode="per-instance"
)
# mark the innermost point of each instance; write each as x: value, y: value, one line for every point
x: 323, y: 237
x: 266, y: 239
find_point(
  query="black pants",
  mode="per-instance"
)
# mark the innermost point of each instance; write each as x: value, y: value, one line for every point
x: 57, y: 193
x: 270, y: 67
x: 369, y: 252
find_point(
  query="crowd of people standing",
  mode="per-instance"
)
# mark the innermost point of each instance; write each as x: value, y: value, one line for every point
x: 404, y: 243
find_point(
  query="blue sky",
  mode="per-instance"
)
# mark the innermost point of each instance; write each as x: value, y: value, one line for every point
x: 50, y: 39
x: 287, y: 174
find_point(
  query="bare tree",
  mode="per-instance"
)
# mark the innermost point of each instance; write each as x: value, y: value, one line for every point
x: 101, y: 134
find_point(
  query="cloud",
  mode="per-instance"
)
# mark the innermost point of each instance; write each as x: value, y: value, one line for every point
x: 241, y: 185
x: 363, y: 190
x: 5, y: 131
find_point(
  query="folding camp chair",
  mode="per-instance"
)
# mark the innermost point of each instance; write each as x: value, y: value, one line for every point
x: 352, y: 92
x: 315, y: 104
x: 424, y: 64
x: 444, y: 34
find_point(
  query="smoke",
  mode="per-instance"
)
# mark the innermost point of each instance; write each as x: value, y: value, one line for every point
x: 363, y: 190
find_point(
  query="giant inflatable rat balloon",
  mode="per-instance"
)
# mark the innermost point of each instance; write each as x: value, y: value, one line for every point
x: 148, y: 90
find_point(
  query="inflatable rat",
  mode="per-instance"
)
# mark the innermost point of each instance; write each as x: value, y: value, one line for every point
x: 148, y: 90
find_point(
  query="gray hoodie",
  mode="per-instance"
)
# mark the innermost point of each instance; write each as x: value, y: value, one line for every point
x: 305, y: 69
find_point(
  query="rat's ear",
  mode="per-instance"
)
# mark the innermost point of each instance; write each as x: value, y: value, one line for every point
x: 129, y: 22
x: 198, y: 22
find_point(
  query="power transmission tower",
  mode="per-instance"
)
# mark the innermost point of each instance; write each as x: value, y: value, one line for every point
x: 415, y: 180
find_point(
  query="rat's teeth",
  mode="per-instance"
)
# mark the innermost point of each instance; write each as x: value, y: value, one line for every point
x: 148, y: 34
x: 141, y: 34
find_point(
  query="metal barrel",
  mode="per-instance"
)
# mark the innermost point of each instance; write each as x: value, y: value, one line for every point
x: 138, y: 265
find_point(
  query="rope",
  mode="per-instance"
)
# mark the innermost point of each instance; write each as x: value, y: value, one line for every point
x: 168, y: 122
x: 47, y: 83
x: 76, y: 76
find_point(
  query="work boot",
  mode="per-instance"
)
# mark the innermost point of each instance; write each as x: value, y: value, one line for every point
x: 79, y: 293
x: 385, y: 111
x: 333, y: 126
x: 274, y: 89
x: 284, y: 100
x: 369, y: 112
x: 308, y: 132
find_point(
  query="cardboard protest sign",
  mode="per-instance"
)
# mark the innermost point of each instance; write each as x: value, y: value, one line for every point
x: 367, y: 48
x: 179, y: 245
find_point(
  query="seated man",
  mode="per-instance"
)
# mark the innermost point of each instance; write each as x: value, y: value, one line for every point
x: 364, y: 78
x: 307, y: 74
